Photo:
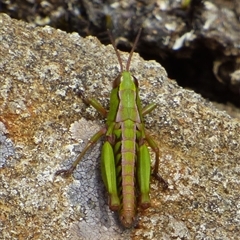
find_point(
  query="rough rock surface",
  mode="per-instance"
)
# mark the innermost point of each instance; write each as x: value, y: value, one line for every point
x: 197, y: 41
x: 44, y: 125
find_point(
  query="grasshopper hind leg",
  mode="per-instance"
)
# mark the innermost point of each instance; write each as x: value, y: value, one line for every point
x: 147, y: 109
x: 93, y: 102
x: 65, y: 172
x: 156, y: 173
x: 108, y: 170
x: 91, y: 142
x: 143, y: 173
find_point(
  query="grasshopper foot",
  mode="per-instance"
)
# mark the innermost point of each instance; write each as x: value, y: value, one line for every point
x: 65, y: 172
x: 160, y: 179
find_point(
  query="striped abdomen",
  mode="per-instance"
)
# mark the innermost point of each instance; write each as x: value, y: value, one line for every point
x: 125, y: 158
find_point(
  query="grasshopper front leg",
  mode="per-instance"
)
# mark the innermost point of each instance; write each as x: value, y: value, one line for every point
x: 147, y: 109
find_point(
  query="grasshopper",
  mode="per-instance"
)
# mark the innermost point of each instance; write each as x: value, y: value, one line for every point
x: 125, y: 158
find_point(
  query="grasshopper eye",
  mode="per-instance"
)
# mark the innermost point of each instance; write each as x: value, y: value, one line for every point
x: 135, y: 81
x: 117, y: 81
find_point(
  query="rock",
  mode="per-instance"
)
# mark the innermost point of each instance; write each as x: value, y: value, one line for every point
x: 44, y: 125
x: 196, y: 41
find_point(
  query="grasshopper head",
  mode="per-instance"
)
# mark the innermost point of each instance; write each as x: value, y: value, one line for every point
x: 128, y: 81
x: 125, y: 80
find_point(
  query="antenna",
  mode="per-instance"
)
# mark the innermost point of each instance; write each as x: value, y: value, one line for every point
x: 133, y: 48
x: 115, y: 48
x: 130, y: 54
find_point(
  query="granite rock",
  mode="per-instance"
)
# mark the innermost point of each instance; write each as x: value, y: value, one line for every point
x: 44, y: 125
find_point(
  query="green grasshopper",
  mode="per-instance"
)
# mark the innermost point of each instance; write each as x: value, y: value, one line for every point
x: 125, y: 158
